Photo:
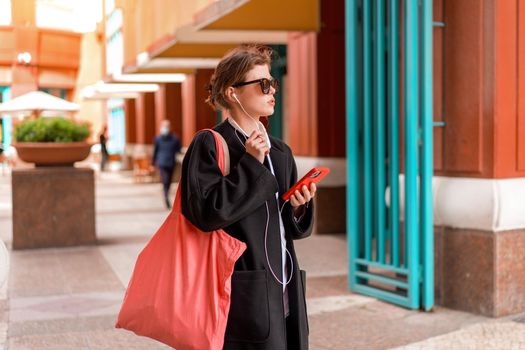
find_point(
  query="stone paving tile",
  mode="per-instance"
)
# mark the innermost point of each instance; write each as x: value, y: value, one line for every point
x: 490, y: 335
x: 64, y: 306
x: 79, y: 333
x: 60, y: 271
x: 322, y: 305
x: 120, y: 339
x: 126, y: 225
x: 4, y: 310
x: 6, y: 229
x: 323, y: 255
x: 378, y: 325
x: 131, y: 204
x: 122, y: 259
x: 69, y: 298
x: 65, y: 341
x: 4, y: 314
x: 64, y: 325
x: 326, y: 286
x: 3, y: 335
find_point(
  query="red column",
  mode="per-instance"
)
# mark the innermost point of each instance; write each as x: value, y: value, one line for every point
x: 196, y: 114
x: 301, y: 102
x: 206, y: 117
x: 331, y: 106
x: 131, y: 120
x: 168, y: 105
x: 145, y: 110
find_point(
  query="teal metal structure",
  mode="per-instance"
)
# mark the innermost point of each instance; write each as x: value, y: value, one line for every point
x: 389, y: 107
x: 7, y: 127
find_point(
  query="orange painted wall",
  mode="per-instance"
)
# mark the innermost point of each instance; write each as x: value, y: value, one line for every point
x: 7, y: 45
x: 508, y: 53
x: 483, y: 89
x: 55, y: 57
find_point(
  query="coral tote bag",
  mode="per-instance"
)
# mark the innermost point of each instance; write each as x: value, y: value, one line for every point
x: 179, y: 293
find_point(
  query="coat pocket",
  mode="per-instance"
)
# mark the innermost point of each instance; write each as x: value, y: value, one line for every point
x: 303, y: 282
x: 249, y: 316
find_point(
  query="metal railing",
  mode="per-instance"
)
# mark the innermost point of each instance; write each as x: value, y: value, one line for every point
x: 389, y: 103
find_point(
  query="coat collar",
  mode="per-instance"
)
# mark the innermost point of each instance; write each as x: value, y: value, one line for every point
x: 278, y: 156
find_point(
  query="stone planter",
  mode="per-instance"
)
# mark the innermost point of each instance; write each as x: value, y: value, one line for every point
x: 52, y: 153
x: 53, y: 207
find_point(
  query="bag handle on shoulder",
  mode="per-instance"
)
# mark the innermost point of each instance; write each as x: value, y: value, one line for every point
x: 223, y: 153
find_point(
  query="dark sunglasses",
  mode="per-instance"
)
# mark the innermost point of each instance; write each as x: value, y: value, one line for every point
x: 264, y: 83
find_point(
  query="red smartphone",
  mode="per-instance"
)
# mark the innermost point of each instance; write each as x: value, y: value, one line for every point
x: 313, y: 176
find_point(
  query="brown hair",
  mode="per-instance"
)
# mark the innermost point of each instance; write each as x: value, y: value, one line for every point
x: 233, y: 68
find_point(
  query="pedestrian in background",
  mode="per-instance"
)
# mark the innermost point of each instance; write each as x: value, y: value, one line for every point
x: 166, y: 147
x: 104, y: 155
x: 268, y: 310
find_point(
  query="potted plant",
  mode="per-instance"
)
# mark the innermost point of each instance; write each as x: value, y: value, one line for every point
x: 53, y: 141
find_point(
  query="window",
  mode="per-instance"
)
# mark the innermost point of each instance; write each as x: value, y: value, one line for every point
x: 62, y: 93
x: 5, y: 13
x: 114, y: 42
x: 116, y: 126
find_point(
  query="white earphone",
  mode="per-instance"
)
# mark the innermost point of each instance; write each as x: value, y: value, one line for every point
x: 236, y: 99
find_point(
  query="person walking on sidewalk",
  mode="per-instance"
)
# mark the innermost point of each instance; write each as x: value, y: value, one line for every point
x: 104, y: 155
x: 268, y: 309
x: 166, y: 147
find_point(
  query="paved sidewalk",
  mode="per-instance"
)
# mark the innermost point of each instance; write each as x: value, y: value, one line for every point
x: 69, y: 298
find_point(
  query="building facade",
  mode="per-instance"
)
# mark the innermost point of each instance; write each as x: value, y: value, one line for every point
x: 478, y: 146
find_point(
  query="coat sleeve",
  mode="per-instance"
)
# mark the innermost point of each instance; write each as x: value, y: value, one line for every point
x: 302, y: 227
x: 212, y: 201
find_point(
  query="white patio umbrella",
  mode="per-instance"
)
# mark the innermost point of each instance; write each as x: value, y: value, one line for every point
x: 36, y: 102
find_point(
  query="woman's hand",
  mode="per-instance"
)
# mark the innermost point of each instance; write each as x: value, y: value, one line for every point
x: 297, y: 198
x: 256, y: 146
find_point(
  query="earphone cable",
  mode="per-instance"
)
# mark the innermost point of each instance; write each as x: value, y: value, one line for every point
x: 266, y: 236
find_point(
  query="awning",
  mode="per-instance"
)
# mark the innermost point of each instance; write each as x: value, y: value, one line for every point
x: 221, y: 26
x: 171, y: 55
x: 288, y: 15
x: 103, y: 91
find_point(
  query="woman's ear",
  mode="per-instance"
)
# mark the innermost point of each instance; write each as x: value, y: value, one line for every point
x: 229, y: 93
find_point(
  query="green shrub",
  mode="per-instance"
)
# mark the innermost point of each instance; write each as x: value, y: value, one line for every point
x: 56, y: 129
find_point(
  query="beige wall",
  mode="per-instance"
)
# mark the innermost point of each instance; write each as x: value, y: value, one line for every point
x: 147, y: 21
x: 89, y: 73
x: 23, y: 12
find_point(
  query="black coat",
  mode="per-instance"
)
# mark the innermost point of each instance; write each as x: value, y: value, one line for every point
x: 165, y: 149
x: 236, y: 203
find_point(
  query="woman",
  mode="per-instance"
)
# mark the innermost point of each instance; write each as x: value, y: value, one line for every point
x: 268, y: 309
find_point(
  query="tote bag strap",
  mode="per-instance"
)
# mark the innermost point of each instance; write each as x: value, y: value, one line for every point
x: 223, y: 153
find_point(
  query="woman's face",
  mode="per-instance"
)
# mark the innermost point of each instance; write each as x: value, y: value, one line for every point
x: 254, y: 101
